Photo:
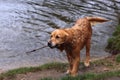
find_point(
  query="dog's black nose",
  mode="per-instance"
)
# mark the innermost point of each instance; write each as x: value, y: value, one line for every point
x: 49, y: 44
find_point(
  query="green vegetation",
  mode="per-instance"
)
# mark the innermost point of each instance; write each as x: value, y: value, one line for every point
x: 89, y: 76
x: 13, y: 73
x: 114, y: 42
x: 46, y: 79
x: 56, y: 66
x: 118, y: 58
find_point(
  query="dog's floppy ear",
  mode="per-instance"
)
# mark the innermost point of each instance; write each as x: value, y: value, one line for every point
x: 67, y: 36
x: 66, y: 33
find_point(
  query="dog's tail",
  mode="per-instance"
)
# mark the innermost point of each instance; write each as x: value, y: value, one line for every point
x: 95, y: 20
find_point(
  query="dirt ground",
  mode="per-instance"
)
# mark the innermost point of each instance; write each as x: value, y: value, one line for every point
x: 113, y: 78
x: 106, y: 64
x: 39, y: 75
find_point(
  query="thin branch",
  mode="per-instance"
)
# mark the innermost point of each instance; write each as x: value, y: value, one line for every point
x: 29, y: 52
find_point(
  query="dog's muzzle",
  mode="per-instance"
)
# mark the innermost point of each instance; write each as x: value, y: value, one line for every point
x: 51, y: 45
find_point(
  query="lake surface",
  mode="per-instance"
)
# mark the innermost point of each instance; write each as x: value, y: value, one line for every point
x: 25, y: 26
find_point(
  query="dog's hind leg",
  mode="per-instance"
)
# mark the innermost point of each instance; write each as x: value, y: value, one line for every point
x: 87, y: 59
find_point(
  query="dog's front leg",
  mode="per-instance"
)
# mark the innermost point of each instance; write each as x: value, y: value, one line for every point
x: 75, y: 68
x: 69, y: 56
x: 75, y: 62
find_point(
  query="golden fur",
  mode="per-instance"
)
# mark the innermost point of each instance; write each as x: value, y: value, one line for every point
x: 73, y: 39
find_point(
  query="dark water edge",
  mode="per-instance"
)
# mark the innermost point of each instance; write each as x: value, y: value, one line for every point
x: 25, y: 26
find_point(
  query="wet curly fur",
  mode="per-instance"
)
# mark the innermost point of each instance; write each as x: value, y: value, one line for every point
x: 73, y: 39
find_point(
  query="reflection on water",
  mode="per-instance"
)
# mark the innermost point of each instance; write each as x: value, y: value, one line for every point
x: 26, y: 25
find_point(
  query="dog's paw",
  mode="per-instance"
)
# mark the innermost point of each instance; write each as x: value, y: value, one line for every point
x: 87, y: 64
x: 74, y: 74
x: 67, y: 72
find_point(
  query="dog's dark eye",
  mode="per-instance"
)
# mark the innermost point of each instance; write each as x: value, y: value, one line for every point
x: 57, y: 37
x: 51, y: 36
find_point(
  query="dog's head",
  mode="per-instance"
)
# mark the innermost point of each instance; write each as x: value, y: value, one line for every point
x: 57, y: 38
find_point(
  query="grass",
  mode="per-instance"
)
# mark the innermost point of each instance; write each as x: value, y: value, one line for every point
x: 90, y: 76
x: 13, y: 73
x: 114, y: 42
x: 56, y: 66
x: 118, y: 58
x: 46, y: 79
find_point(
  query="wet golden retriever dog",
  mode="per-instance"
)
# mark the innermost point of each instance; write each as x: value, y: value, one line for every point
x: 73, y: 39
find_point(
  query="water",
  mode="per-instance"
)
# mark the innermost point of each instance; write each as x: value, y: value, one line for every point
x: 25, y: 26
